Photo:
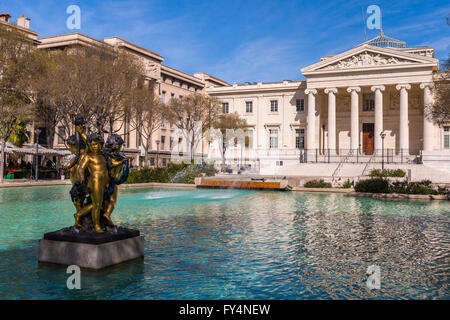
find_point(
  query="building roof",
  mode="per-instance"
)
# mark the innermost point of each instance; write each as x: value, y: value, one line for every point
x: 386, y: 42
x: 30, y: 33
x: 207, y: 77
x: 69, y: 40
x: 286, y: 85
x: 181, y: 75
x: 124, y: 43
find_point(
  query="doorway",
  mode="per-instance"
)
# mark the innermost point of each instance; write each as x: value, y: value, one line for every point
x: 368, y: 138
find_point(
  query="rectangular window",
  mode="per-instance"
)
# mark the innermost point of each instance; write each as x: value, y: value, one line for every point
x: 274, y: 106
x: 368, y: 102
x: 273, y: 134
x: 163, y: 97
x: 152, y: 161
x: 180, y: 140
x: 61, y: 135
x: 446, y: 137
x: 249, y: 138
x: 126, y: 132
x: 226, y: 107
x: 163, y: 141
x: 171, y: 143
x: 249, y: 107
x: 300, y: 138
x: 300, y: 105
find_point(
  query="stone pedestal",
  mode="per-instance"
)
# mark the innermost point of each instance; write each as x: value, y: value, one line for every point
x: 75, y: 246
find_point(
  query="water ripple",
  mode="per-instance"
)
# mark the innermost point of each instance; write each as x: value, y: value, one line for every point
x: 229, y: 244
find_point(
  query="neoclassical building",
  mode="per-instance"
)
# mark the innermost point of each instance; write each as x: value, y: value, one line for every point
x: 361, y: 103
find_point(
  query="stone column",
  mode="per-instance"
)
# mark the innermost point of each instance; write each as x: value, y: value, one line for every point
x: 404, y: 122
x: 354, y: 119
x: 378, y: 116
x: 260, y: 131
x: 427, y: 125
x: 311, y: 120
x: 331, y: 92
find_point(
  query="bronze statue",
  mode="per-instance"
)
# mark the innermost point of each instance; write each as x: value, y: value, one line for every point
x: 72, y: 166
x: 114, y: 147
x: 96, y: 175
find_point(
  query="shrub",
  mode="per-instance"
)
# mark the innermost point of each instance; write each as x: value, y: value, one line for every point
x: 347, y: 184
x: 422, y: 187
x: 378, y: 185
x: 387, y: 173
x: 174, y: 173
x: 188, y: 174
x: 317, y: 184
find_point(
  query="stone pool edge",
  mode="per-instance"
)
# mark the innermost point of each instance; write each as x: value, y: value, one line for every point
x: 398, y: 196
x: 67, y: 182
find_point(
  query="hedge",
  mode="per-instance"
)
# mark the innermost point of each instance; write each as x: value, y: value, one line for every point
x: 380, y: 185
x: 387, y: 173
x: 317, y: 184
x: 174, y: 173
x: 377, y: 185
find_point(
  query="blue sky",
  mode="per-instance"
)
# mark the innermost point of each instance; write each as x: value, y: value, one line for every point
x: 242, y: 40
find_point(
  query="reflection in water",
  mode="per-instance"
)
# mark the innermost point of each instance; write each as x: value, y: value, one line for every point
x: 228, y: 244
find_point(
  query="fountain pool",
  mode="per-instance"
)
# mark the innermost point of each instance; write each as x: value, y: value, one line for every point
x: 237, y: 244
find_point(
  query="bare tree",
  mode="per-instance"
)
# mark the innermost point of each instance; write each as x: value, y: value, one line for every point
x: 92, y: 82
x: 146, y: 113
x: 117, y: 72
x: 14, y: 49
x: 187, y: 113
x: 226, y: 123
x: 439, y: 110
x: 44, y: 87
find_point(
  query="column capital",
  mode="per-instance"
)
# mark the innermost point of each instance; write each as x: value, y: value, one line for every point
x: 308, y: 91
x: 333, y: 90
x: 375, y: 88
x: 424, y: 85
x: 401, y: 86
x: 356, y: 89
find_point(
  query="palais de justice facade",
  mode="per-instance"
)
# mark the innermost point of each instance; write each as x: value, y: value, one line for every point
x: 345, y: 104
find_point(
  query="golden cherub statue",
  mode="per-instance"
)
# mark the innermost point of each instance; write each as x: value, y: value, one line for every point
x: 96, y: 172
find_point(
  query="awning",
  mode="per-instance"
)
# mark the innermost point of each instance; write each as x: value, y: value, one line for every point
x: 10, y: 148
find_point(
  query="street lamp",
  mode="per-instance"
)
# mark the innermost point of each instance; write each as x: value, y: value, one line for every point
x: 382, y: 134
x: 323, y: 139
x: 157, y: 153
x: 37, y: 133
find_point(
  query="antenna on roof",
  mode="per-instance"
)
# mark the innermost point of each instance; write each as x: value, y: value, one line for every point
x: 364, y: 23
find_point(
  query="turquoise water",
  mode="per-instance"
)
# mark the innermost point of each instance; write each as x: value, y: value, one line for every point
x: 235, y: 244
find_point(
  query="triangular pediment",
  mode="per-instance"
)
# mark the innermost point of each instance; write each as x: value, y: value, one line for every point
x: 368, y: 57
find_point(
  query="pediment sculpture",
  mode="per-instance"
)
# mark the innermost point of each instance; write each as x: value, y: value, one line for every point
x: 366, y: 59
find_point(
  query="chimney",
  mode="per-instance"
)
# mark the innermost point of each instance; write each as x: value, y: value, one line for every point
x: 5, y: 17
x: 23, y: 22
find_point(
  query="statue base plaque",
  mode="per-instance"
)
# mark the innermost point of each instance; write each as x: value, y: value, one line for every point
x: 87, y: 249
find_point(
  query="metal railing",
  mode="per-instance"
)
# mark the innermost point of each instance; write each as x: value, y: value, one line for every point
x: 387, y: 155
